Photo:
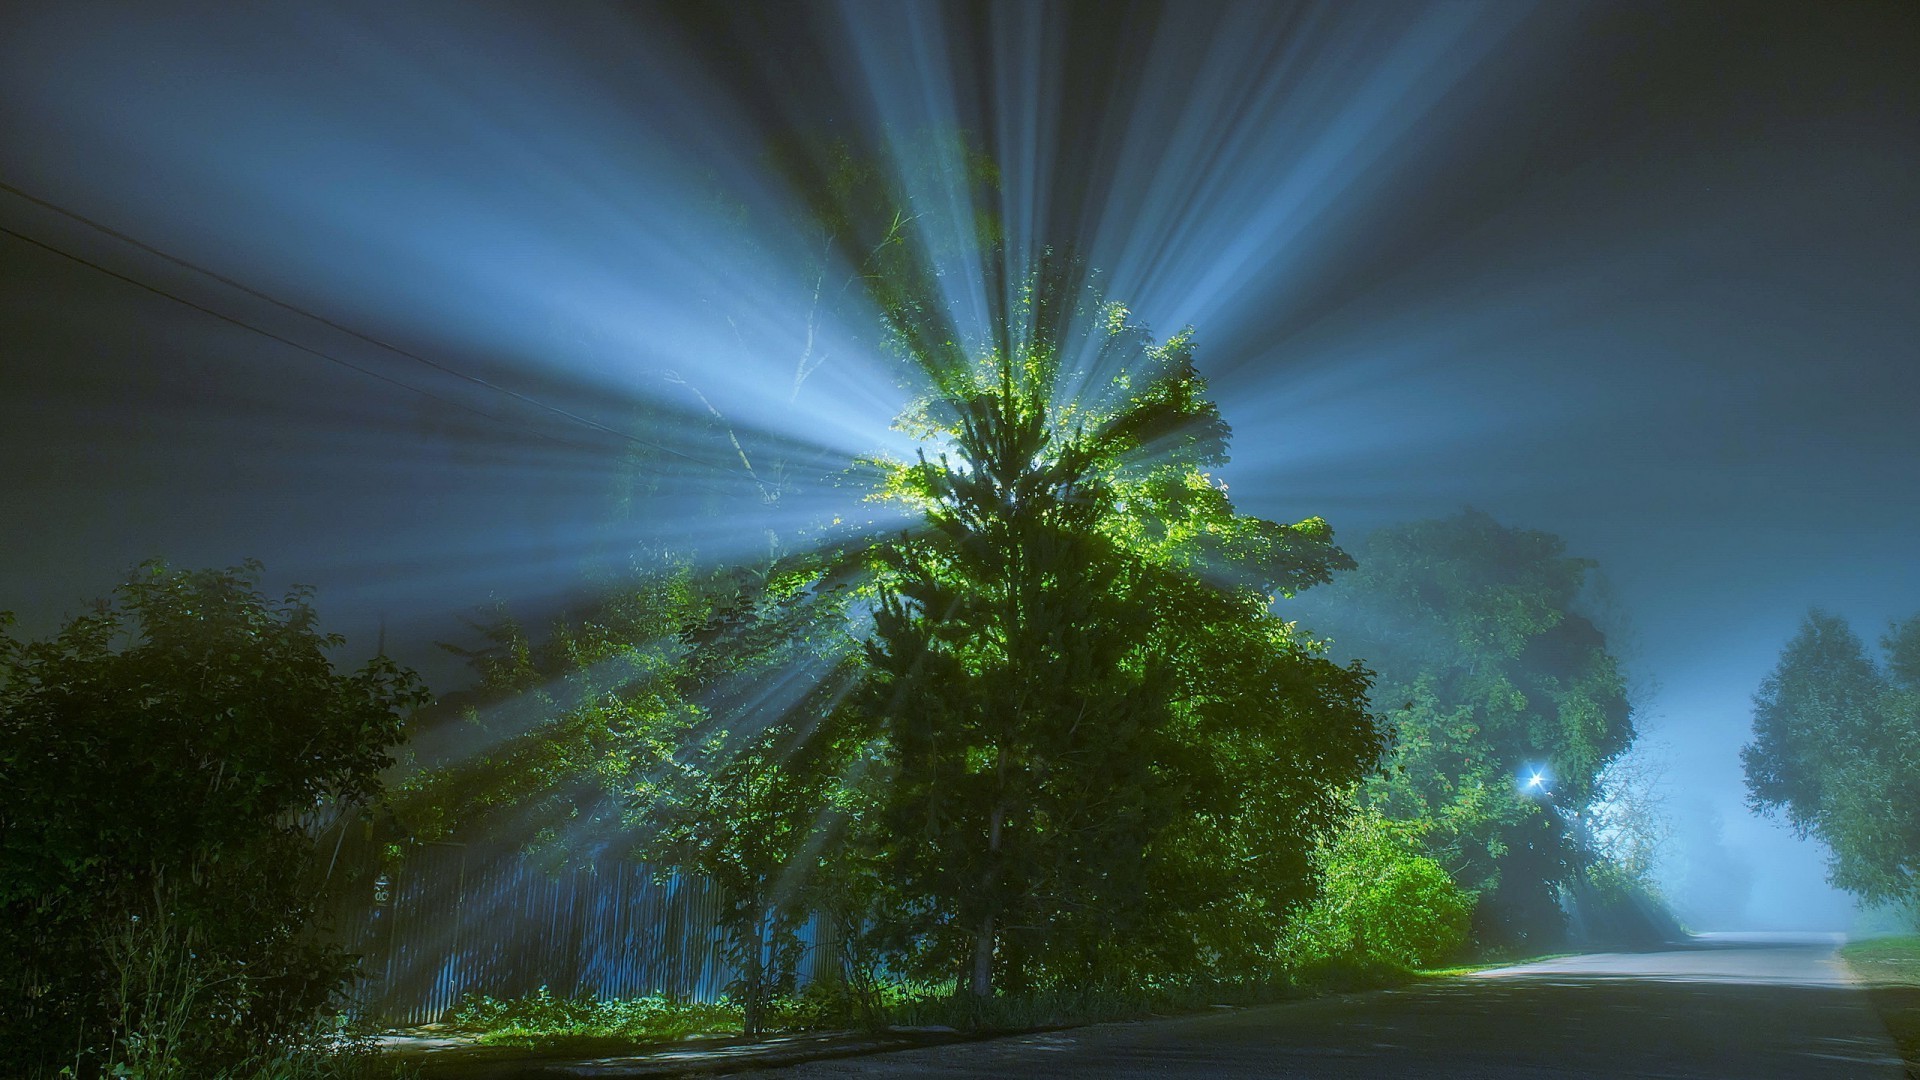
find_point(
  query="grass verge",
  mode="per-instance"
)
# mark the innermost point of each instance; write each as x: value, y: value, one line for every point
x: 1890, y: 966
x: 541, y: 1021
x: 1072, y: 1007
x: 1497, y: 960
x: 545, y: 1023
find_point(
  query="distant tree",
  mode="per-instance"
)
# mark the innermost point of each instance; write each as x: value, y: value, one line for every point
x: 1103, y: 754
x: 1836, y: 749
x: 164, y: 761
x: 1485, y: 667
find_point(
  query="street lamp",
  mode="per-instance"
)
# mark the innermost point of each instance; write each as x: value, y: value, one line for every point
x: 1535, y: 781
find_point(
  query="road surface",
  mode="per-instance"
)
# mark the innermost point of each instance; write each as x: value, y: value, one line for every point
x: 1742, y: 1007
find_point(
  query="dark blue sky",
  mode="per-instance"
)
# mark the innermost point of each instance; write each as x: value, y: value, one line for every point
x: 1643, y: 275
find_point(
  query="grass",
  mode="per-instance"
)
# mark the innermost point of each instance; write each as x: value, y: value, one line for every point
x: 1890, y: 966
x: 543, y: 1022
x: 1072, y: 1007
x: 1488, y: 963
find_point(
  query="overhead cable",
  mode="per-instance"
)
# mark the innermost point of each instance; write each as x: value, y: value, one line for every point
x: 249, y: 290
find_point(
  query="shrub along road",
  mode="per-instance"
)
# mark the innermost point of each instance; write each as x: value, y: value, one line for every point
x: 1725, y: 1006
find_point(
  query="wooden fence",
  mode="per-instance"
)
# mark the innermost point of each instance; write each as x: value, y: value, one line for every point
x: 452, y: 921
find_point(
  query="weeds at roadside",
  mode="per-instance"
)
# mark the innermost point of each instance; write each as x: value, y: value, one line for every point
x: 545, y: 1022
x: 1489, y: 963
x: 541, y: 1019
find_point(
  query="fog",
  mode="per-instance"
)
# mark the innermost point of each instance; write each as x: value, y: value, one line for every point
x: 394, y: 297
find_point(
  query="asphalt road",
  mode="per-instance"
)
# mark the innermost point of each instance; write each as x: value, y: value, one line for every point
x: 1742, y: 1007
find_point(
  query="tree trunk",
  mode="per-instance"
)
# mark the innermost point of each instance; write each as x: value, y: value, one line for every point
x: 755, y: 978
x: 982, y: 983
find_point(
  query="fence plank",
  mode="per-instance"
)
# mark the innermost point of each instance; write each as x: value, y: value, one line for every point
x: 453, y: 921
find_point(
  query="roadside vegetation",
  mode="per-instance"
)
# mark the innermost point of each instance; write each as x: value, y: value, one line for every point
x: 545, y: 1022
x: 1890, y: 966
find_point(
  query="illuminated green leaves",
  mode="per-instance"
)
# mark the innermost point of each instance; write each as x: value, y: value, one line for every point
x: 1101, y: 748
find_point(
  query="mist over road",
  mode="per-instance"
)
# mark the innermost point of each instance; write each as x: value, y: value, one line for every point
x: 1746, y: 1006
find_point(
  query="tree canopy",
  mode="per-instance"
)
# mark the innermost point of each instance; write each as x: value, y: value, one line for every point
x: 1104, y: 753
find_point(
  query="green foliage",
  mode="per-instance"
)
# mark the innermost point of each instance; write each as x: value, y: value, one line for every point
x: 544, y: 1020
x: 751, y: 810
x: 1486, y: 666
x: 541, y: 1019
x: 1104, y: 757
x: 861, y: 201
x: 588, y: 1025
x: 1381, y: 902
x: 1836, y: 748
x: 682, y: 720
x: 557, y: 723
x: 164, y: 762
x: 1892, y: 959
x: 1610, y: 904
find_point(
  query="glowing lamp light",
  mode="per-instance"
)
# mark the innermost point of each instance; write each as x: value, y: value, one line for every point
x: 1535, y: 781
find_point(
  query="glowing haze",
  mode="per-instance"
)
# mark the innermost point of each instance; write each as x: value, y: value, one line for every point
x: 510, y: 290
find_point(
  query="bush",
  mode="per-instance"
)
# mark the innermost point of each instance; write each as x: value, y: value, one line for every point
x: 1380, y: 903
x: 163, y: 763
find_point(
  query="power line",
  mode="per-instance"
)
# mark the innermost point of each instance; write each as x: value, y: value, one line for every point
x: 268, y: 334
x: 321, y: 319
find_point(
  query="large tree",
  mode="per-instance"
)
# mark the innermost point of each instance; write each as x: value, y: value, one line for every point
x: 1836, y: 749
x: 1104, y: 754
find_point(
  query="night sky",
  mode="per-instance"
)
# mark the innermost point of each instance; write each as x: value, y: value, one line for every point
x: 1642, y: 275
